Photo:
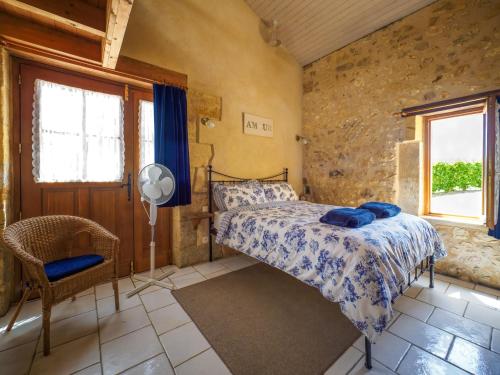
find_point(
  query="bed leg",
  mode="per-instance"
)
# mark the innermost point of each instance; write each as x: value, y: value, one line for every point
x: 431, y: 271
x: 368, y: 351
x: 409, y: 278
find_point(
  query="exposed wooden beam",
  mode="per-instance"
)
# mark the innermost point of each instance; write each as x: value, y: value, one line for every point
x: 28, y: 33
x: 73, y: 13
x: 128, y: 70
x: 117, y: 15
x: 153, y: 73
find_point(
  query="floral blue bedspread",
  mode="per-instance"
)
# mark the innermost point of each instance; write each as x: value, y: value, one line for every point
x: 362, y: 269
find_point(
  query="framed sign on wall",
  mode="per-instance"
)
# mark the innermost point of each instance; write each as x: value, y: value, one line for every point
x: 256, y: 125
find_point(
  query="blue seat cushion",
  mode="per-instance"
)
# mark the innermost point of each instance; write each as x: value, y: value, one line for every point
x: 58, y: 269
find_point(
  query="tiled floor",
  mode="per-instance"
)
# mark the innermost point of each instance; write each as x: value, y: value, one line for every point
x: 452, y: 329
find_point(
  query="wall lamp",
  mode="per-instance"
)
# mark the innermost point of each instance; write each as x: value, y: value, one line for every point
x: 207, y: 122
x: 302, y: 139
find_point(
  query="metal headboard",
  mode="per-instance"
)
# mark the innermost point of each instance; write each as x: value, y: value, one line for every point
x: 222, y: 178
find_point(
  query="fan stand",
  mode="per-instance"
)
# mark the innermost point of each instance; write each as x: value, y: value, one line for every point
x: 151, y: 280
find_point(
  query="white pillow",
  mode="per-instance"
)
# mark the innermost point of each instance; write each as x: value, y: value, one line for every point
x: 231, y: 196
x: 281, y: 191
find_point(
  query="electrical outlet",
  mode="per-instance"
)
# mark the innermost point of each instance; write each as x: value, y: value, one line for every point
x: 204, y: 209
x: 204, y: 239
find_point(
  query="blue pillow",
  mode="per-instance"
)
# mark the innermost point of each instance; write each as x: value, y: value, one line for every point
x: 61, y: 268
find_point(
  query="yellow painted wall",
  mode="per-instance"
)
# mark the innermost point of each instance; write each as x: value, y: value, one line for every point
x: 218, y: 45
x: 231, y: 70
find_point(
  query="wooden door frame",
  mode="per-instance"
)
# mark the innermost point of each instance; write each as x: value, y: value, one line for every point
x: 15, y: 134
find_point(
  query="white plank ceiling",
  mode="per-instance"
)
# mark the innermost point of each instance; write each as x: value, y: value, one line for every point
x: 311, y: 29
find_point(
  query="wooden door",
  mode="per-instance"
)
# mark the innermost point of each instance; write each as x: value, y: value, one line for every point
x: 107, y: 202
x: 142, y: 101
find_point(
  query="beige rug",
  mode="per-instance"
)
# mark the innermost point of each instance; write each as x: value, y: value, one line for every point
x: 262, y: 321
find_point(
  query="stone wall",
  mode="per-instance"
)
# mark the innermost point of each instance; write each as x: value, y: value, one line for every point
x: 6, y: 259
x: 352, y: 97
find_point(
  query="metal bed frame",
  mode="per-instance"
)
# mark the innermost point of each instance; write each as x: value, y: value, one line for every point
x: 427, y: 264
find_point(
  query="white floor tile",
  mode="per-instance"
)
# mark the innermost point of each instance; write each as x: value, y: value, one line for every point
x: 106, y: 306
x: 345, y: 362
x: 188, y: 279
x: 487, y: 290
x: 206, y: 363
x: 423, y: 282
x: 68, y: 358
x: 157, y: 299
x: 91, y: 370
x: 412, y: 291
x: 106, y: 290
x: 182, y: 272
x: 70, y: 329
x: 441, y: 300
x: 377, y: 368
x: 423, y: 335
x: 183, y: 343
x: 467, y: 329
x: 158, y: 365
x: 237, y: 262
x: 209, y: 267
x: 418, y: 361
x: 389, y: 349
x: 474, y: 358
x: 130, y: 350
x: 123, y: 322
x: 483, y: 315
x: 412, y: 307
x: 24, y: 331
x: 473, y: 296
x: 17, y: 360
x: 218, y: 273
x: 29, y: 311
x: 168, y: 318
x: 454, y: 280
x: 495, y: 341
x: 69, y: 308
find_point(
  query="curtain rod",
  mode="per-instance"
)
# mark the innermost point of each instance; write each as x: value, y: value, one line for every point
x: 448, y: 104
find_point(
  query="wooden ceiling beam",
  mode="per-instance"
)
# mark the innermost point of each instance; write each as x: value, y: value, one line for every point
x: 24, y: 32
x: 117, y: 15
x: 74, y: 13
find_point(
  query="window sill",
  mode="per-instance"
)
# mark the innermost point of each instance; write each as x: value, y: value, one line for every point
x: 452, y: 221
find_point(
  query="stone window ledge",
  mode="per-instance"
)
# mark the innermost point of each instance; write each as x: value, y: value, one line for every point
x: 451, y: 221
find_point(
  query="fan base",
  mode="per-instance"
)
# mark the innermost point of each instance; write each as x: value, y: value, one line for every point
x: 148, y: 281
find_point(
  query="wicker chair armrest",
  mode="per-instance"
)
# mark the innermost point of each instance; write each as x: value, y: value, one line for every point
x: 34, y: 266
x: 103, y: 241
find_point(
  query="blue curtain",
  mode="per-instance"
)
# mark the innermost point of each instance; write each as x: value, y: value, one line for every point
x: 496, y: 231
x: 171, y: 139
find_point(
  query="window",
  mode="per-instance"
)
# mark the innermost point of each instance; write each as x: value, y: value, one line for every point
x: 455, y: 164
x: 146, y: 134
x: 77, y: 135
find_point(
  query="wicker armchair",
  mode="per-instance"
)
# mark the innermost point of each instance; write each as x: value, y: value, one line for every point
x: 44, y: 239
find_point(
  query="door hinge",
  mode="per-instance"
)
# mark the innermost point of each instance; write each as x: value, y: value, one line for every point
x: 20, y: 215
x: 20, y: 148
x: 131, y: 267
x: 19, y: 79
x: 125, y: 94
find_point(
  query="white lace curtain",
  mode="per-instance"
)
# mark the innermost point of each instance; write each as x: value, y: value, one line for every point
x: 77, y: 135
x: 146, y: 133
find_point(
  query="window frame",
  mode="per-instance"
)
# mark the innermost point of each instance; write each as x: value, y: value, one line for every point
x: 427, y: 169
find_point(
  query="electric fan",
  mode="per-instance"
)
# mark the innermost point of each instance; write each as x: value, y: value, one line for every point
x: 156, y: 185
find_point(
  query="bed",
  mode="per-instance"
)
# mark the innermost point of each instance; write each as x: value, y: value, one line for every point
x: 363, y: 269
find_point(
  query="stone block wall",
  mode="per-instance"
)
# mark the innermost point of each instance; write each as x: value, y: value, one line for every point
x: 351, y: 102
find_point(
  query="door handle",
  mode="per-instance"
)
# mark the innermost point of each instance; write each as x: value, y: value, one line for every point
x: 129, y: 186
